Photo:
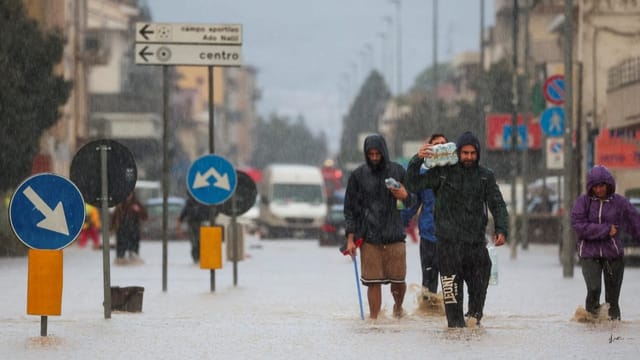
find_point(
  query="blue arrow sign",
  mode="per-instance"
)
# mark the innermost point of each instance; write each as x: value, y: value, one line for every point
x: 521, y: 140
x: 552, y: 121
x: 211, y: 179
x: 47, y: 212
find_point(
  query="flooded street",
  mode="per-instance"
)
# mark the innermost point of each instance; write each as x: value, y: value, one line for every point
x: 296, y: 300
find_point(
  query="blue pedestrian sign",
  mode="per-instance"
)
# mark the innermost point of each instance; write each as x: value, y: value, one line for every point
x: 47, y: 212
x: 211, y: 179
x: 552, y: 121
x: 521, y: 141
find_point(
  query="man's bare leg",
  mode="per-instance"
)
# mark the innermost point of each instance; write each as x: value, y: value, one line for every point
x: 398, y: 291
x: 374, y: 296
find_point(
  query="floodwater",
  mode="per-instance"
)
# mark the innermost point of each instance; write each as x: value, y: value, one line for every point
x: 296, y: 300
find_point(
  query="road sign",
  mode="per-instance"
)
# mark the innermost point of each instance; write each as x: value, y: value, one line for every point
x: 169, y: 33
x: 122, y: 172
x: 521, y: 140
x: 47, y: 212
x: 211, y: 179
x: 244, y: 196
x: 188, y: 54
x: 553, y: 89
x: 555, y: 153
x: 552, y: 121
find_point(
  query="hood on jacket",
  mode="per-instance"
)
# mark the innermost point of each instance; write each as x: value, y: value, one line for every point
x: 467, y: 138
x: 376, y: 141
x: 598, y: 175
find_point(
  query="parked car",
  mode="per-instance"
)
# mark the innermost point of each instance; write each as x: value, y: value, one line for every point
x: 332, y: 230
x: 631, y: 245
x: 152, y: 228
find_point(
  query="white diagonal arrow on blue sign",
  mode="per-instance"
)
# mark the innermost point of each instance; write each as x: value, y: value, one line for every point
x: 54, y: 219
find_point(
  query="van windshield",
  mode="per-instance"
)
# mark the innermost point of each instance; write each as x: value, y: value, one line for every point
x: 307, y: 193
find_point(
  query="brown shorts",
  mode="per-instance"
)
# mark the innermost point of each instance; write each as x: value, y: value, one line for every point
x: 383, y: 264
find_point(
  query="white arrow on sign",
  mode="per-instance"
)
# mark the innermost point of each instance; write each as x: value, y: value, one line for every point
x: 222, y: 181
x: 55, y: 219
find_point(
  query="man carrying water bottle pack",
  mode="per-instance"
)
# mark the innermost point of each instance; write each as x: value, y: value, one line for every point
x: 464, y: 192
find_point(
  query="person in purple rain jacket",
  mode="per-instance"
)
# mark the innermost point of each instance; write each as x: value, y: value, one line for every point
x: 597, y: 218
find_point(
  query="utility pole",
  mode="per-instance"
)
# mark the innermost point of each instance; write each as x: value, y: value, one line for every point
x: 568, y: 242
x: 514, y: 131
x: 480, y: 94
x: 526, y: 106
x: 434, y: 107
x: 398, y: 3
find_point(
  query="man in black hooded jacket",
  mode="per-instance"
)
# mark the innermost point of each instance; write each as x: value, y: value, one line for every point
x: 372, y: 214
x: 463, y: 193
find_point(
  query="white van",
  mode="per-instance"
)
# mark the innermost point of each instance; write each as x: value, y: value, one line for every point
x: 292, y: 201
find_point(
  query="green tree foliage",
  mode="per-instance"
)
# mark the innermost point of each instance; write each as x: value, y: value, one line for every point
x: 426, y: 79
x: 363, y: 117
x: 31, y: 94
x: 278, y: 140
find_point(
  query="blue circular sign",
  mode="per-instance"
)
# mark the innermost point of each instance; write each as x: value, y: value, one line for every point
x: 552, y: 121
x: 211, y: 179
x: 47, y: 212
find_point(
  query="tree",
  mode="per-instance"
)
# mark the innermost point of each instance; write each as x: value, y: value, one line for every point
x: 280, y: 141
x: 363, y: 117
x: 29, y: 100
x: 31, y: 94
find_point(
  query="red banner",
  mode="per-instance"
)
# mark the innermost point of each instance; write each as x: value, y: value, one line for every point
x: 618, y: 149
x: 496, y: 132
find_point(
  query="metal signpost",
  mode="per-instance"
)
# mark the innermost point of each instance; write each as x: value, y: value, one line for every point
x: 46, y: 213
x: 242, y: 200
x: 186, y: 44
x: 104, y: 186
x: 211, y: 180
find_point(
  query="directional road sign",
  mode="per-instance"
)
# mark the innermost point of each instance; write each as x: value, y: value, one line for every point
x: 552, y: 121
x: 188, y: 54
x: 553, y: 89
x: 47, y: 212
x: 211, y: 179
x: 171, y: 33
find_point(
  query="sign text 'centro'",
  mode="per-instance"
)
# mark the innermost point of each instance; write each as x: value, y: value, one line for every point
x: 188, y: 54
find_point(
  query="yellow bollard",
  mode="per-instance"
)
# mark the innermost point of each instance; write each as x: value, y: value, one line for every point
x: 211, y: 247
x: 44, y: 285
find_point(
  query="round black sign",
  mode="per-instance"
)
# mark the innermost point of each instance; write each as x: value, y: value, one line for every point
x: 122, y: 172
x: 244, y: 196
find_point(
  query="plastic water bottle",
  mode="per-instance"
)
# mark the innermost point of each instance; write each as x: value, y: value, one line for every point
x: 392, y: 183
x: 493, y: 255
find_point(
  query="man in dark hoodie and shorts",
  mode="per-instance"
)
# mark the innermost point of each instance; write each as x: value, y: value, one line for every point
x: 372, y: 214
x: 464, y: 192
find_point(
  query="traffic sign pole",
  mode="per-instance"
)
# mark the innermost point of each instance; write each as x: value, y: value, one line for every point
x: 188, y: 44
x: 104, y: 208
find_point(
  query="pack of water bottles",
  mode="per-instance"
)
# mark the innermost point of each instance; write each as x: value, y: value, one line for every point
x: 443, y: 154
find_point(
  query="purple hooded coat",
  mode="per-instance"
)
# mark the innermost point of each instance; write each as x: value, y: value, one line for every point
x: 591, y: 218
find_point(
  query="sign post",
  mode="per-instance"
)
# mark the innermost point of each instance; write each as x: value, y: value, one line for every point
x: 46, y: 213
x: 104, y: 186
x: 211, y: 180
x: 186, y: 44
